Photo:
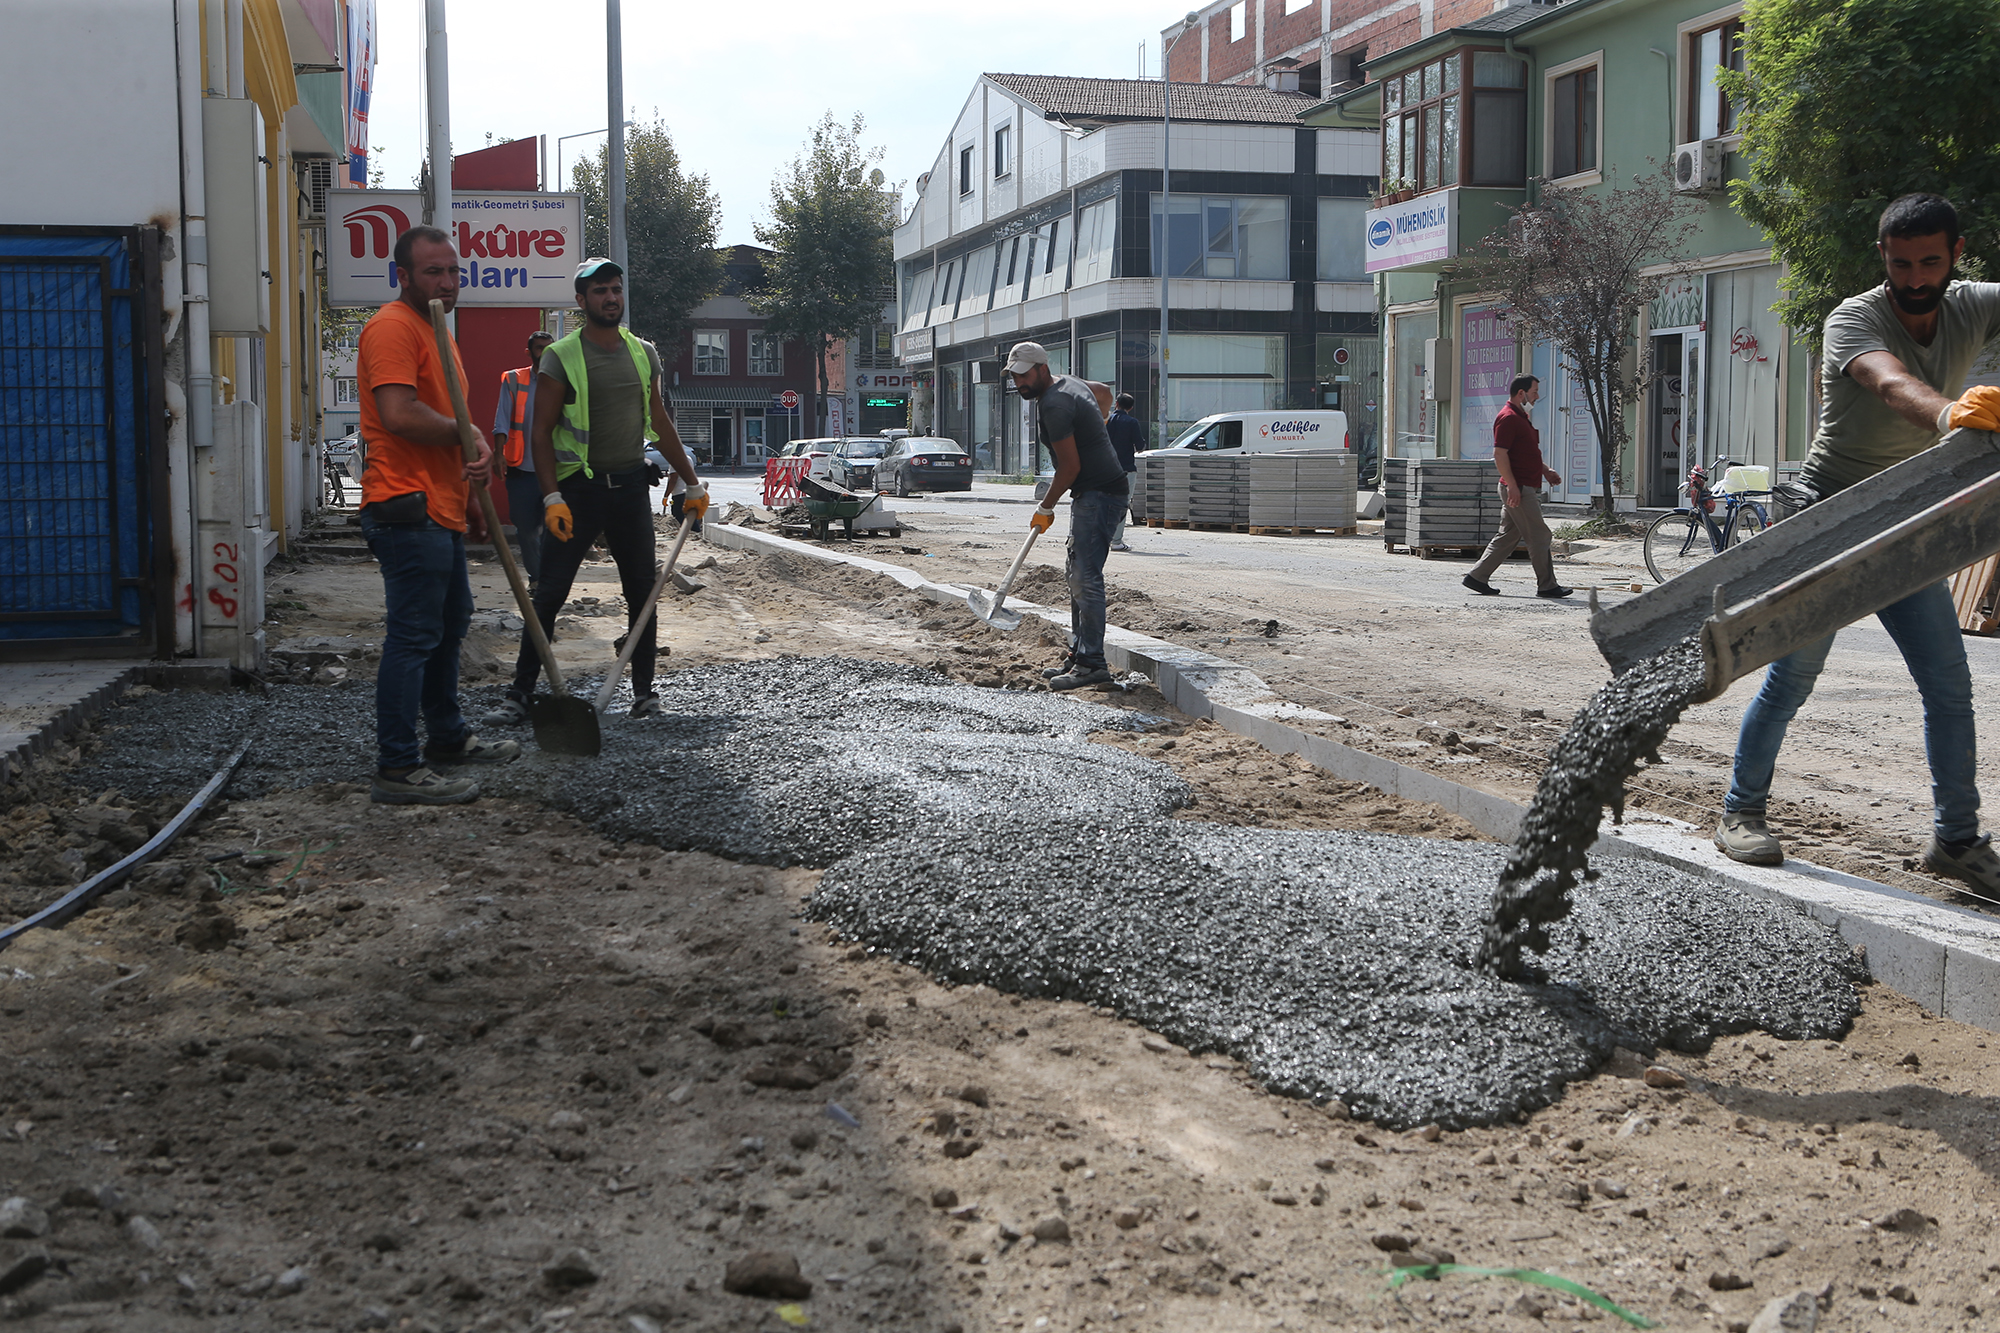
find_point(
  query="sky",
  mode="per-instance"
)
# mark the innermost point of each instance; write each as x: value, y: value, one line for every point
x: 740, y: 88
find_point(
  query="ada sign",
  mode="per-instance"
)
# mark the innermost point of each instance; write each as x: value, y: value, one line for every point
x: 1416, y: 231
x: 515, y: 248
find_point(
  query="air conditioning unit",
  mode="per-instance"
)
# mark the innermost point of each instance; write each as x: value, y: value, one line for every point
x: 1698, y: 167
x: 318, y: 181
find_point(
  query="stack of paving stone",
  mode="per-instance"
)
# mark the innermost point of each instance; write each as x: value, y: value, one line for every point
x: 1453, y: 503
x: 1218, y: 491
x: 1174, y: 482
x: 1141, y: 484
x: 1395, y: 485
x: 1302, y: 488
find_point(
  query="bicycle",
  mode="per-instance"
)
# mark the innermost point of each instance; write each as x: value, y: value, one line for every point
x: 1677, y: 542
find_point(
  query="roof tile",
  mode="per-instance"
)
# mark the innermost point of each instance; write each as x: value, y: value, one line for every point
x: 1139, y: 99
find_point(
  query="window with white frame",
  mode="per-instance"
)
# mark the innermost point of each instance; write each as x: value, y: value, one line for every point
x: 345, y: 393
x: 1710, y: 115
x: 965, y: 169
x: 946, y: 297
x: 1096, y: 234
x: 1573, y: 120
x: 711, y: 352
x: 1003, y: 154
x: 1223, y: 237
x: 1238, y: 20
x: 767, y: 354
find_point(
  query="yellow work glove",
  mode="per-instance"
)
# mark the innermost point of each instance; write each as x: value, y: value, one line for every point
x: 695, y: 503
x: 1978, y: 408
x: 1041, y: 518
x: 557, y: 518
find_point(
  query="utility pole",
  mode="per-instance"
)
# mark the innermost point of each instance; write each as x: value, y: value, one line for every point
x: 437, y: 78
x: 614, y: 175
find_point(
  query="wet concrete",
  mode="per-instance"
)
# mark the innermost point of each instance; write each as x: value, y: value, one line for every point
x: 1622, y: 724
x: 789, y: 761
x: 1343, y: 964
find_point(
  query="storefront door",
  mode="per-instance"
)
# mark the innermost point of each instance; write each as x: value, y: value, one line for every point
x: 1569, y: 437
x: 1415, y: 423
x: 1746, y: 346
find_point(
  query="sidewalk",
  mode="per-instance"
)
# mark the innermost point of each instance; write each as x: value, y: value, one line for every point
x: 47, y: 701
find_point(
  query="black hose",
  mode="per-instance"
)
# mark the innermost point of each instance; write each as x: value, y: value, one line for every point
x: 74, y: 902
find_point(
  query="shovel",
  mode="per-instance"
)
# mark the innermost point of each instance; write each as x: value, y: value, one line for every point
x: 990, y: 607
x: 563, y: 725
x: 667, y: 574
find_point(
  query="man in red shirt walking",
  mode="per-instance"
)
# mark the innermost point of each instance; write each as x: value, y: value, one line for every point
x: 1517, y: 451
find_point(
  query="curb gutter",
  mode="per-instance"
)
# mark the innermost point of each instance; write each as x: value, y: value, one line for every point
x: 1945, y: 958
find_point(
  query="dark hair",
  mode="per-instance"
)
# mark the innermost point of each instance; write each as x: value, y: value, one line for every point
x: 1918, y: 215
x: 604, y: 273
x: 539, y: 334
x: 408, y: 242
x: 1523, y: 383
x: 1125, y: 400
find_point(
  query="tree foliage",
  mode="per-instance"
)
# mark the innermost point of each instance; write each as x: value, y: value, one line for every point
x: 830, y: 224
x: 671, y: 221
x: 1577, y: 266
x: 1846, y: 106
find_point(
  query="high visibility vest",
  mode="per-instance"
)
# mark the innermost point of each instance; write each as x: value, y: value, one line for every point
x: 517, y: 425
x: 572, y: 433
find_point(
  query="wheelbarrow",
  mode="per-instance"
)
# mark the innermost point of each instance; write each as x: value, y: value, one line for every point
x: 827, y: 504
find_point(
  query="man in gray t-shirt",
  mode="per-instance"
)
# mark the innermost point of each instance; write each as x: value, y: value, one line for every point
x: 1891, y: 358
x: 1072, y: 413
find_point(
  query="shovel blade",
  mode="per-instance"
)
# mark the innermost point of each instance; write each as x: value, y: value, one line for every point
x: 565, y: 726
x: 999, y: 617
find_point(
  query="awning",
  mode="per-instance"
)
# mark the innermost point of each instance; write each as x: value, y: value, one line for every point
x: 726, y: 395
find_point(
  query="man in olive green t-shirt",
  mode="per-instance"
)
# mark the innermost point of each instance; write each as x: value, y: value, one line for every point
x: 1891, y: 359
x: 589, y: 441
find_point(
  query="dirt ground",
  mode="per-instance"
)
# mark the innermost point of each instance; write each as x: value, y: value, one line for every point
x: 331, y: 1065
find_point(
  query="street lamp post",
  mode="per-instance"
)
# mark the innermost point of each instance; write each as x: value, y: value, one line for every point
x: 1166, y: 195
x: 614, y: 152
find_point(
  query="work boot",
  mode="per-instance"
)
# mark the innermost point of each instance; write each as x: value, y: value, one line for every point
x: 512, y: 712
x: 646, y: 705
x: 1742, y: 836
x: 1483, y: 589
x: 1554, y: 590
x: 472, y: 750
x: 420, y: 786
x: 1068, y: 665
x: 1975, y: 862
x: 1078, y: 676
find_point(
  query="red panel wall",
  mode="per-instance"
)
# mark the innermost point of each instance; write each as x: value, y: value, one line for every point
x: 493, y: 341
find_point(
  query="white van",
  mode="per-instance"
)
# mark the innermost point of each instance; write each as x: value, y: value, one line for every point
x: 1265, y: 432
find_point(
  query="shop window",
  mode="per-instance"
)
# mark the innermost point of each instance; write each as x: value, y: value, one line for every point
x: 1573, y: 121
x: 1437, y: 133
x: 711, y: 352
x: 1096, y: 233
x: 767, y: 354
x: 1710, y: 51
x: 1223, y: 237
x: 1003, y: 158
x: 1342, y: 240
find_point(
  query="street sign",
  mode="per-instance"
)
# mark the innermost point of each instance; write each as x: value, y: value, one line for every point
x: 790, y: 398
x: 515, y: 247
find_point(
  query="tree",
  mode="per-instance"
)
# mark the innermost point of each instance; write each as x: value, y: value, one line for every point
x: 1577, y: 266
x: 671, y: 221
x: 830, y: 223
x: 1846, y: 106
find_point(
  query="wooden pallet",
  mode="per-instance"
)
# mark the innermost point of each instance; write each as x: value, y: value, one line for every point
x: 1975, y: 591
x: 1216, y: 527
x: 1433, y: 552
x: 1257, y: 531
x: 1176, y: 524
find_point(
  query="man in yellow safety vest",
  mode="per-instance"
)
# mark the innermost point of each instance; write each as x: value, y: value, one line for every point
x: 511, y: 417
x: 596, y: 391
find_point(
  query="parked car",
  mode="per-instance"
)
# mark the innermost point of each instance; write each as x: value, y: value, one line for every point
x: 923, y: 463
x: 1267, y: 432
x: 853, y: 462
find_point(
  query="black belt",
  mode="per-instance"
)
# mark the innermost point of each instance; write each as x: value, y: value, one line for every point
x: 635, y: 476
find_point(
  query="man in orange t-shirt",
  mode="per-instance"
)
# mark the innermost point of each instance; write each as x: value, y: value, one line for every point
x: 416, y: 510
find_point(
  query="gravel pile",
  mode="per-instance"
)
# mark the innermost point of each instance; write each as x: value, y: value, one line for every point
x: 1342, y: 965
x: 791, y: 761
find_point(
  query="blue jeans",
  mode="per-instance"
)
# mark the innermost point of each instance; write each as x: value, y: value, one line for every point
x: 1093, y: 516
x: 524, y: 505
x: 428, y: 602
x: 1925, y: 628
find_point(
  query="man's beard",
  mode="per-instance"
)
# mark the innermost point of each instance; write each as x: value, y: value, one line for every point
x: 1921, y: 300
x: 1030, y: 391
x: 603, y: 321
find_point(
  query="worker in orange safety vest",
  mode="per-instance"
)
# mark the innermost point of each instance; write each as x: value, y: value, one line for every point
x: 511, y: 418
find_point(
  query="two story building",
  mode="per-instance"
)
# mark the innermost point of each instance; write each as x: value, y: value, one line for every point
x: 1585, y: 94
x: 1043, y: 219
x: 740, y: 392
